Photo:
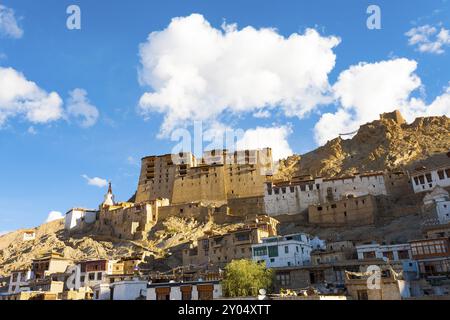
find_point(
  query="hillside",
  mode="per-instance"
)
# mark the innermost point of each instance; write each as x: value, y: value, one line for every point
x: 171, y: 233
x: 388, y: 143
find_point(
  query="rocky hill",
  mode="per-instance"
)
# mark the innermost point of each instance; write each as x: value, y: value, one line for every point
x: 389, y: 143
x: 165, y: 241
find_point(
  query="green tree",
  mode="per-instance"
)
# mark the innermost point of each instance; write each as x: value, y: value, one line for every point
x: 245, y: 277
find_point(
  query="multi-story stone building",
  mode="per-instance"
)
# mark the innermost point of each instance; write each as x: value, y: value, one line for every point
x: 295, y: 198
x: 158, y: 174
x: 220, y: 175
x: 49, y: 264
x: 128, y: 220
x: 350, y: 211
x: 220, y: 249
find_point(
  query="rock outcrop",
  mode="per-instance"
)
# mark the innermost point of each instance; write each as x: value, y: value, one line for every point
x: 385, y: 144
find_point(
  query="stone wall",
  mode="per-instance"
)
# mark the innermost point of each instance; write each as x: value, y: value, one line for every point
x: 347, y: 212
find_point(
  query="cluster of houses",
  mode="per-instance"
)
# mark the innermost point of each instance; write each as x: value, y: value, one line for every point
x: 304, y: 266
x: 238, y: 187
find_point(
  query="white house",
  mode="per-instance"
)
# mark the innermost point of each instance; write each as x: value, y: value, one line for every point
x: 76, y: 217
x: 102, y: 291
x: 284, y: 251
x: 192, y: 290
x: 394, y: 252
x: 29, y: 235
x: 439, y: 200
x: 294, y: 198
x: 318, y: 244
x: 89, y: 273
x: 129, y: 289
x: 18, y: 279
x: 428, y: 179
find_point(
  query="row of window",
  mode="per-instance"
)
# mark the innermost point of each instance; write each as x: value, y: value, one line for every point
x: 429, y: 249
x: 442, y: 174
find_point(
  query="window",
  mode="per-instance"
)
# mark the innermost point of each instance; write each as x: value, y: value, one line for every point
x: 389, y: 255
x: 428, y: 176
x: 422, y: 179
x: 441, y: 174
x: 403, y: 254
x: 369, y: 255
x: 284, y: 279
x: 91, y: 276
x: 242, y: 236
x: 286, y: 249
x: 272, y: 251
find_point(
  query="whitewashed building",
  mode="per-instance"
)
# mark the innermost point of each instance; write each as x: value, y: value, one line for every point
x: 295, y: 198
x: 426, y: 179
x: 439, y: 201
x: 18, y: 280
x: 92, y: 272
x: 192, y: 290
x: 129, y: 290
x: 29, y: 235
x: 393, y: 252
x: 102, y: 291
x: 77, y: 217
x: 284, y: 251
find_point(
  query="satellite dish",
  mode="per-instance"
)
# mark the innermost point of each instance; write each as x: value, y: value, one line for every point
x: 262, y: 292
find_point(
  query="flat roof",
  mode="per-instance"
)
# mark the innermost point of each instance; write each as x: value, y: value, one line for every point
x: 179, y: 284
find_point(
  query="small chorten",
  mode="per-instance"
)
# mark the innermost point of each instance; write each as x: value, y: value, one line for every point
x: 109, y: 197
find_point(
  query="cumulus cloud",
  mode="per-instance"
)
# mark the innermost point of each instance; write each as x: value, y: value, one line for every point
x: 272, y: 137
x: 197, y: 72
x: 8, y: 23
x: 368, y: 89
x: 79, y: 106
x: 21, y: 97
x: 429, y: 39
x: 96, y: 181
x: 54, y: 215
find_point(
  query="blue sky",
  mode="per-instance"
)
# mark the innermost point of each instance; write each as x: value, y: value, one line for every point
x: 42, y: 163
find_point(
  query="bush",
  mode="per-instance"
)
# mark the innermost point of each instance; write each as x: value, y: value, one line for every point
x: 245, y: 277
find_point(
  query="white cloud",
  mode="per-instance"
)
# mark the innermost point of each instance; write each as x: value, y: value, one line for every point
x: 272, y: 137
x: 96, y: 181
x: 262, y: 114
x: 366, y: 90
x: 31, y: 130
x: 197, y: 72
x: 54, y: 215
x: 427, y: 39
x: 8, y: 23
x: 18, y: 96
x: 79, y: 106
